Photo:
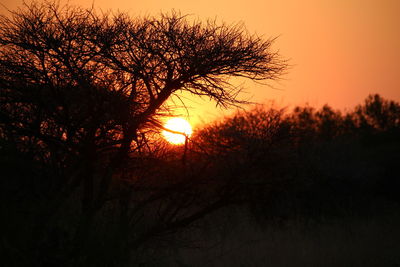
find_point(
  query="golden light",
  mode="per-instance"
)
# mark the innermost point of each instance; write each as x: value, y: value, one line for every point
x: 180, y: 129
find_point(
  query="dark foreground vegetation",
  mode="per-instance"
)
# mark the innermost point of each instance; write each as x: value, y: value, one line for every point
x: 307, y: 180
x: 86, y: 182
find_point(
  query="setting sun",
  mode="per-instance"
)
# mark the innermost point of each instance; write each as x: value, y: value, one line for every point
x: 180, y: 128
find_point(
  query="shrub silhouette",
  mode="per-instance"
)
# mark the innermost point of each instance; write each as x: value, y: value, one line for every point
x: 310, y: 163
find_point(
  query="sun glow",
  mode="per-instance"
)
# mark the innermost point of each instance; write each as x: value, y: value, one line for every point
x: 179, y: 130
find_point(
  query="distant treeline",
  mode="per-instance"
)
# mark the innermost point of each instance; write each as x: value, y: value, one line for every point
x: 311, y: 163
x: 305, y: 123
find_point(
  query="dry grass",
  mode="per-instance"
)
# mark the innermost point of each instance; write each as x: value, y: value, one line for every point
x: 236, y: 240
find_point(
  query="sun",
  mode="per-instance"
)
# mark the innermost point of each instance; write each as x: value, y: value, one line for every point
x: 180, y: 129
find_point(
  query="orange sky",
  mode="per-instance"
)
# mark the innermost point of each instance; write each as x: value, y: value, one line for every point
x: 340, y: 50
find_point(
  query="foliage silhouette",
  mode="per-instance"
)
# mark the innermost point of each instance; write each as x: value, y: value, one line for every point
x: 81, y: 92
x: 310, y: 163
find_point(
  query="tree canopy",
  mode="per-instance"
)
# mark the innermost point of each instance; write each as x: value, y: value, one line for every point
x: 79, y: 91
x: 74, y: 74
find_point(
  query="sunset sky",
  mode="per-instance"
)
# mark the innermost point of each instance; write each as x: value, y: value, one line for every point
x: 340, y: 50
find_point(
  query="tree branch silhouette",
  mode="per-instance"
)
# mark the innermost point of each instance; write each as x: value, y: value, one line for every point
x: 80, y: 90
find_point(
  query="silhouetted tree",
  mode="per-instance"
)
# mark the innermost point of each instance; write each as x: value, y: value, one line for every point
x: 80, y: 91
x: 329, y: 122
x: 378, y: 113
x: 246, y: 132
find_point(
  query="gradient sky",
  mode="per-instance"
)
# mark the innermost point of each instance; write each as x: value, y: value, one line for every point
x: 340, y: 50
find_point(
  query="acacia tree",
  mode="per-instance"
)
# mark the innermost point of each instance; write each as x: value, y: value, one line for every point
x: 79, y: 90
